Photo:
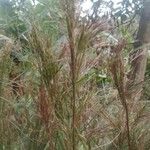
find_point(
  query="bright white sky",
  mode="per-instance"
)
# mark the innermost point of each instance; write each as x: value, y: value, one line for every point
x: 87, y: 4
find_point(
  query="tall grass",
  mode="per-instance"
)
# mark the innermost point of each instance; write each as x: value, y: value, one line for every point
x: 65, y: 103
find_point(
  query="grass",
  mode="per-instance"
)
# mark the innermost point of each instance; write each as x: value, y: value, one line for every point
x: 56, y: 100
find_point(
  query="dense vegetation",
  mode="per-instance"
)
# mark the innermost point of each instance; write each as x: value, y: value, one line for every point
x: 73, y: 78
